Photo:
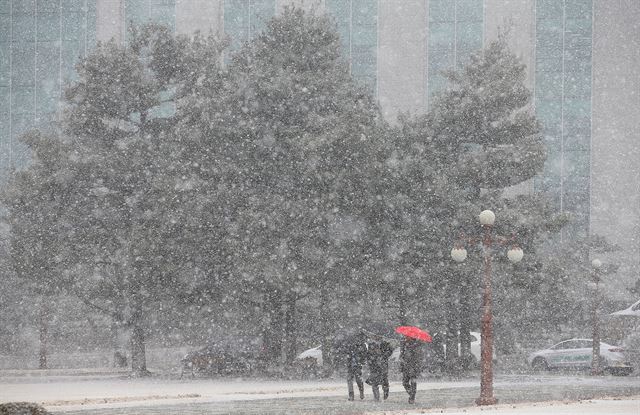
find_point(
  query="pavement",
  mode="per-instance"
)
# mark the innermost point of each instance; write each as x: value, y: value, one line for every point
x: 120, y: 395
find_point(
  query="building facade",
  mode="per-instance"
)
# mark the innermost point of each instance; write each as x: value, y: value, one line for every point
x: 582, y: 65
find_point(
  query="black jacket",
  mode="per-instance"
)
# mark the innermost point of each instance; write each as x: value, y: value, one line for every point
x: 411, y: 358
x: 378, y: 359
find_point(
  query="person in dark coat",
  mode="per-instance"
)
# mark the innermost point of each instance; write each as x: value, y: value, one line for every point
x: 411, y: 358
x: 355, y: 351
x: 378, y: 359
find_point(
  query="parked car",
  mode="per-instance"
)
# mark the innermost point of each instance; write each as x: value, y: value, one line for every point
x: 236, y: 356
x: 577, y: 353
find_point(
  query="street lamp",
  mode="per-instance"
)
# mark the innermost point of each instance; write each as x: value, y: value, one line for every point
x: 595, y: 352
x: 459, y: 254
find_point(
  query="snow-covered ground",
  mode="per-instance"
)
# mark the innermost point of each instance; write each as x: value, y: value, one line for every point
x: 590, y: 407
x: 80, y: 393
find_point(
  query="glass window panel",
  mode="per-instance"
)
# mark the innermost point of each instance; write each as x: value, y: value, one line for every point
x: 578, y: 27
x: 261, y: 12
x: 24, y: 27
x: 577, y: 139
x: 5, y: 28
x: 469, y: 36
x: 21, y: 155
x: 22, y: 100
x: 91, y: 19
x: 550, y: 27
x: 48, y: 6
x: 553, y: 165
x: 441, y: 36
x: 440, y: 61
x: 549, y: 9
x: 576, y: 163
x: 546, y: 39
x: 164, y: 14
x: 441, y: 11
x: 71, y: 54
x: 48, y: 98
x: 577, y: 108
x: 73, y: 26
x: 47, y: 60
x: 577, y: 66
x: 236, y: 22
x: 549, y: 183
x: 577, y: 229
x: 21, y: 122
x: 549, y: 91
x: 577, y: 85
x: 578, y: 9
x: 24, y: 7
x: 4, y: 63
x: 24, y: 59
x: 48, y: 26
x: 4, y: 99
x: 469, y: 10
x: 77, y: 6
x: 5, y: 6
x: 574, y: 198
x: 549, y: 64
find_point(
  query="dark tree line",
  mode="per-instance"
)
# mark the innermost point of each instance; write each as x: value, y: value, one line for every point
x: 268, y: 195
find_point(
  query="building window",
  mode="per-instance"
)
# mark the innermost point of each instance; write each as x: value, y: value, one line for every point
x: 244, y: 19
x: 357, y: 24
x: 455, y: 32
x: 563, y: 105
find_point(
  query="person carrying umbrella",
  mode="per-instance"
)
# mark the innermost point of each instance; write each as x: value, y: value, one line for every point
x: 353, y: 350
x: 378, y: 359
x: 411, y: 357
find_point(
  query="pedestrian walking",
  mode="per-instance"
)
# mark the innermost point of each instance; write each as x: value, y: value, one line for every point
x: 411, y: 358
x: 354, y: 352
x: 378, y: 360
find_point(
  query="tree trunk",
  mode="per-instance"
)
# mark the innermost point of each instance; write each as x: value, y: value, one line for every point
x: 138, y: 342
x: 290, y: 326
x: 43, y: 331
x: 466, y: 322
x: 327, y: 332
x: 402, y: 309
x: 272, y: 333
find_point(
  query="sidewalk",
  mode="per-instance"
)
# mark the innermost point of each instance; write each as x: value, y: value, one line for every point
x: 110, y: 396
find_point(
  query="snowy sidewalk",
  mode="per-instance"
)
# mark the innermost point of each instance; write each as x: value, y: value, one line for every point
x: 223, y: 396
x: 588, y: 407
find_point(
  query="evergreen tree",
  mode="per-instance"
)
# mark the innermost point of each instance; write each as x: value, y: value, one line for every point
x: 35, y: 200
x: 128, y: 215
x: 299, y: 132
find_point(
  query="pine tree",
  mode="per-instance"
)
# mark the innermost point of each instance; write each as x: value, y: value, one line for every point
x: 299, y: 131
x: 121, y: 121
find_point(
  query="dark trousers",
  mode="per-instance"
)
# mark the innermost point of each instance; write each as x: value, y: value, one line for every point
x: 355, y: 374
x: 385, y: 388
x: 410, y: 385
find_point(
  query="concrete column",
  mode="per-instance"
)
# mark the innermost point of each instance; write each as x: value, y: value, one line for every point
x: 402, y: 57
x: 615, y: 153
x: 110, y: 20
x: 205, y: 16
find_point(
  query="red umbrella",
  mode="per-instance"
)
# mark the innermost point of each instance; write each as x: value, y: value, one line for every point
x: 414, y: 332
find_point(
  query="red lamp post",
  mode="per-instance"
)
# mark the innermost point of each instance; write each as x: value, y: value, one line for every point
x: 459, y: 254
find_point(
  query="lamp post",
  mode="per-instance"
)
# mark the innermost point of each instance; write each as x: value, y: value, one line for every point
x: 459, y: 254
x: 595, y: 352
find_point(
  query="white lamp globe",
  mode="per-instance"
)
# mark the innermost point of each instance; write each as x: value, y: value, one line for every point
x: 596, y: 263
x: 487, y: 218
x: 459, y: 254
x: 515, y: 254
